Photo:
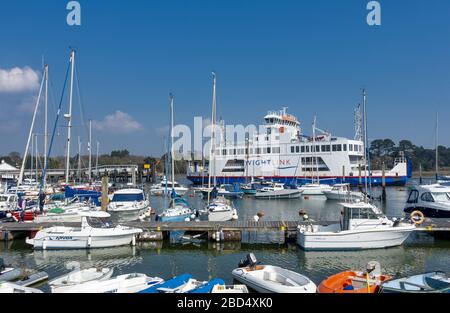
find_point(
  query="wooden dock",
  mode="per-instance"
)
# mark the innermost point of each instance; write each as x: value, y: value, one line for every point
x: 233, y: 230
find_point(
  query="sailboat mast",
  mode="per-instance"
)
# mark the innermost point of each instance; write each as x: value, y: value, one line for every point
x: 213, y: 124
x: 172, y: 152
x: 315, y: 151
x: 366, y: 149
x: 437, y: 146
x: 32, y: 156
x: 69, y: 116
x: 96, y: 159
x: 79, y: 159
x: 90, y: 150
x: 22, y: 169
x: 46, y: 115
x: 36, y: 155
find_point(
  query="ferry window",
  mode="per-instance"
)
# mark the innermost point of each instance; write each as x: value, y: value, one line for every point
x: 276, y: 150
x: 413, y: 196
x: 268, y: 150
x: 218, y: 152
x: 345, y: 147
x: 328, y: 148
x: 292, y: 149
x: 307, y: 148
x: 251, y: 150
x: 334, y: 147
x: 350, y: 147
x: 339, y: 147
x: 235, y: 151
x: 258, y: 150
x: 224, y: 152
x: 324, y: 148
x: 246, y: 151
x: 297, y: 149
x: 303, y: 149
x: 267, y: 138
x: 277, y: 137
x: 427, y: 197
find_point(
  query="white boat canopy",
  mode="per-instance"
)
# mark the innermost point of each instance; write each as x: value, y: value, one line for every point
x: 98, y: 214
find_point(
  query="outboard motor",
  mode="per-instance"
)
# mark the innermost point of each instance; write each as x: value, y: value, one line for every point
x: 250, y: 261
x: 373, y: 269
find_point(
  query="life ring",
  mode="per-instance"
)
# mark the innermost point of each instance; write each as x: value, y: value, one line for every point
x: 417, y: 217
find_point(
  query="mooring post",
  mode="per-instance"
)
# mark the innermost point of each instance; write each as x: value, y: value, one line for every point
x: 104, y: 193
x: 383, y: 182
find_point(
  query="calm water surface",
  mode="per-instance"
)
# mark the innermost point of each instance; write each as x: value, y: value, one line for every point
x: 207, y: 260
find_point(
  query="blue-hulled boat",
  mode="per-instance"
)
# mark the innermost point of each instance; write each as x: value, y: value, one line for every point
x: 434, y: 282
x: 170, y: 284
x: 178, y: 211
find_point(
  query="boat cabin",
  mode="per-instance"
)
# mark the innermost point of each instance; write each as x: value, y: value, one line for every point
x: 128, y: 195
x: 97, y: 219
x: 360, y: 215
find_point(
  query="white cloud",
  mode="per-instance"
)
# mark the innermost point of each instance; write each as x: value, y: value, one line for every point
x: 18, y: 80
x: 118, y: 123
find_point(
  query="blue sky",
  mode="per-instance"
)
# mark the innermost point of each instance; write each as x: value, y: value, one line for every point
x: 311, y: 56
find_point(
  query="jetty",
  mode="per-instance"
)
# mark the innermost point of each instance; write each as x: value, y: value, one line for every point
x: 217, y: 231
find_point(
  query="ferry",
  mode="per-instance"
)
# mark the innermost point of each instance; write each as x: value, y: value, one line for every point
x: 283, y: 154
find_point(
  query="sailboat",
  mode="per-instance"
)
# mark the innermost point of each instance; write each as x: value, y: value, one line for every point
x: 315, y: 188
x: 218, y: 209
x: 179, y: 209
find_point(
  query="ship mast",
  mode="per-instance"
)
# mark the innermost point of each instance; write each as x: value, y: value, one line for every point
x: 211, y: 152
x: 172, y: 150
x: 69, y: 115
x: 437, y: 146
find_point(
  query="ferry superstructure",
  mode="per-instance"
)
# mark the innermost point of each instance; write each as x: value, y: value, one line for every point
x: 283, y: 154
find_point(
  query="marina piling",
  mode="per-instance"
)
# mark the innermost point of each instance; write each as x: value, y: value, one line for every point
x: 383, y: 182
x: 104, y: 193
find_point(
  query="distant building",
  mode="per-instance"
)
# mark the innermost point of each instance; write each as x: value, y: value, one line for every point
x: 8, y: 172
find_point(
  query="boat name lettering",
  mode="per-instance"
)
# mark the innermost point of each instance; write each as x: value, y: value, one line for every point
x: 62, y: 238
x: 268, y: 162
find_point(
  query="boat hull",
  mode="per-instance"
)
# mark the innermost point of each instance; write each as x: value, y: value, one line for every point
x: 354, y: 240
x: 280, y: 194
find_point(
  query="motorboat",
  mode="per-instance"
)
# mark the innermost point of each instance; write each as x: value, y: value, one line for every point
x: 128, y: 283
x: 230, y: 289
x: 128, y: 204
x: 230, y: 191
x: 8, y: 202
x: 67, y: 213
x: 432, y: 200
x: 362, y: 226
x: 433, y: 282
x: 8, y: 273
x: 165, y: 188
x: 221, y: 210
x: 271, y: 279
x: 6, y: 287
x: 314, y: 189
x: 96, y: 231
x: 277, y: 191
x: 355, y: 281
x: 179, y: 211
x: 342, y: 192
x: 78, y: 277
x: 249, y: 189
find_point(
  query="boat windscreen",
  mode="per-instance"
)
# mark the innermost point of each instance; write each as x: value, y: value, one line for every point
x: 97, y: 222
x: 441, y: 196
x: 128, y: 197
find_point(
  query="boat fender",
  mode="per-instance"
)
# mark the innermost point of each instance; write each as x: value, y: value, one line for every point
x: 89, y: 242
x: 133, y: 242
x: 44, y: 244
x: 417, y: 217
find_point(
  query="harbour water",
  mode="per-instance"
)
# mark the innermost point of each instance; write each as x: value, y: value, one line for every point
x: 207, y: 260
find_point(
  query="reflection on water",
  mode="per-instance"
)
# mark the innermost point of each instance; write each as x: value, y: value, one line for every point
x: 206, y: 260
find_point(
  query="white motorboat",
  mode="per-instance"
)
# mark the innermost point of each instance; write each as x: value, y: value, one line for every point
x: 362, y: 226
x: 166, y: 187
x: 272, y: 279
x: 8, y: 273
x: 272, y: 187
x: 343, y: 192
x: 432, y: 200
x: 96, y: 231
x: 278, y: 192
x: 78, y: 276
x: 221, y: 210
x: 8, y: 201
x: 128, y: 204
x: 6, y: 287
x: 314, y: 189
x: 230, y: 289
x: 128, y: 283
